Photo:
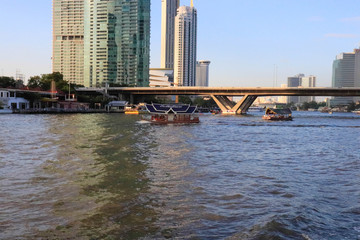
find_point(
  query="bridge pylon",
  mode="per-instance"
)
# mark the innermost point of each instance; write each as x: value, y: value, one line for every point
x: 228, y: 107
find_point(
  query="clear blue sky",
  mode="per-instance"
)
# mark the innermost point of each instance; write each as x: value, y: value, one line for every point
x: 243, y: 39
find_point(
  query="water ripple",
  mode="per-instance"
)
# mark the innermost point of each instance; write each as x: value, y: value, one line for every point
x: 106, y: 176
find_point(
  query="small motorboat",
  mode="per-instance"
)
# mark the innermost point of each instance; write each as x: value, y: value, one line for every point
x: 275, y: 114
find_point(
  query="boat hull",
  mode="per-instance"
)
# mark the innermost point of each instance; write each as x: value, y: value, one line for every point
x: 166, y: 119
x: 277, y: 118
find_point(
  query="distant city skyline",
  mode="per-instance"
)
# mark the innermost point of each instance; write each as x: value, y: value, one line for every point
x: 243, y: 39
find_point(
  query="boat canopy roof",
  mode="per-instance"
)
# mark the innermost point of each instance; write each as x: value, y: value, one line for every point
x: 278, y: 111
x: 117, y: 103
x: 170, y: 108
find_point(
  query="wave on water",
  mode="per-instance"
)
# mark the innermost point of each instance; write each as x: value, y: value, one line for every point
x: 142, y: 122
x: 278, y: 227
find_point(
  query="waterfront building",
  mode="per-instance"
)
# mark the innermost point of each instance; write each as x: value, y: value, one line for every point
x: 9, y: 100
x: 117, y: 42
x: 346, y: 73
x: 68, y: 39
x: 161, y: 77
x: 301, y: 81
x: 185, y: 46
x: 202, y: 73
x: 168, y: 13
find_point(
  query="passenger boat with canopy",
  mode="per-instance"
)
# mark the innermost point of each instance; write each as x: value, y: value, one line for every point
x: 275, y: 114
x: 171, y: 113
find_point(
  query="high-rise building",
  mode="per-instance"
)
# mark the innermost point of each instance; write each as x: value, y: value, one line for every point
x: 168, y: 13
x: 117, y: 42
x: 346, y: 73
x: 301, y: 81
x: 68, y: 39
x: 185, y: 46
x: 202, y: 73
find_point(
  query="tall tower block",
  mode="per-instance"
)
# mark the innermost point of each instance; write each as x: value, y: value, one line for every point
x: 117, y: 42
x: 185, y: 47
x: 168, y: 13
x: 68, y: 39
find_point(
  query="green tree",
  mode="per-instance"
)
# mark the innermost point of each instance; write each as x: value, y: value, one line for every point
x: 7, y: 82
x: 201, y: 102
x: 44, y: 82
x: 185, y: 100
x: 351, y: 107
x: 34, y: 82
x: 46, y: 79
x: 19, y: 84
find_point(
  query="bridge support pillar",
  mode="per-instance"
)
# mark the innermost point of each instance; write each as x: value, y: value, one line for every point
x: 228, y: 107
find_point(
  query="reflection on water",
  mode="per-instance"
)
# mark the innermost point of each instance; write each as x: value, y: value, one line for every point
x: 109, y: 176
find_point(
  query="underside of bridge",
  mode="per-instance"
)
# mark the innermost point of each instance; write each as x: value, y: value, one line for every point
x: 229, y: 107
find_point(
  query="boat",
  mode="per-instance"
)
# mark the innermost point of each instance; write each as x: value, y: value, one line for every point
x: 171, y: 113
x: 357, y: 111
x: 131, y: 110
x: 135, y: 109
x: 275, y: 114
x: 255, y: 109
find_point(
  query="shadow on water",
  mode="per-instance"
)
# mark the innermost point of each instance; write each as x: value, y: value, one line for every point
x: 101, y: 164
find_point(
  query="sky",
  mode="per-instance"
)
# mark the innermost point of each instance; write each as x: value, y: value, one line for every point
x: 250, y: 43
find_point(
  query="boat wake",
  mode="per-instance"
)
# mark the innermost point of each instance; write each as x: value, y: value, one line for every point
x: 142, y: 122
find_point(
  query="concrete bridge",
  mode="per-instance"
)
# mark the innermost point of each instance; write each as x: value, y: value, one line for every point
x: 221, y: 94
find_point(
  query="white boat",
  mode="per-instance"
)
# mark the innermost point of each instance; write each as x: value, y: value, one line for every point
x: 256, y: 109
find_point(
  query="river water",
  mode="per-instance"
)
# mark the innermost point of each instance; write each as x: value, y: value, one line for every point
x: 111, y: 176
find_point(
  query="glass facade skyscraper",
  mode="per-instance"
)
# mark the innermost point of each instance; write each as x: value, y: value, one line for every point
x: 202, y: 73
x: 168, y: 13
x: 346, y: 73
x: 116, y: 42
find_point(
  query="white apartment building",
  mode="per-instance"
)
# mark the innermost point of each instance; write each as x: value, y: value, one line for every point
x: 185, y: 46
x: 68, y: 39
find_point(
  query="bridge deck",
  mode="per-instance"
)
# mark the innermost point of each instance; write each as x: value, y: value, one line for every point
x: 226, y: 91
